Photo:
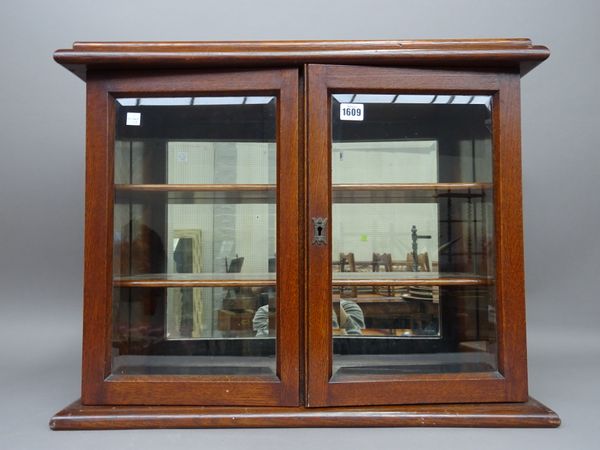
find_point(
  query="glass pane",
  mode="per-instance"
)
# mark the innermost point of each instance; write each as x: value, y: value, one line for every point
x: 195, y: 236
x: 412, y: 234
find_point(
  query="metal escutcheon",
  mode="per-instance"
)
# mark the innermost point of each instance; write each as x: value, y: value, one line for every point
x: 319, y: 230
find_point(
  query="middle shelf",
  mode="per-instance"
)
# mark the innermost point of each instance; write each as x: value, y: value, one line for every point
x: 342, y: 193
x: 268, y: 279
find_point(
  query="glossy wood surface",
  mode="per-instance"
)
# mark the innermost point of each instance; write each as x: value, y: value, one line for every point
x: 335, y: 187
x: 411, y: 186
x: 268, y: 279
x: 98, y: 387
x: 303, y: 393
x: 512, y: 385
x: 515, y: 53
x: 521, y: 415
x: 194, y: 187
x: 196, y: 280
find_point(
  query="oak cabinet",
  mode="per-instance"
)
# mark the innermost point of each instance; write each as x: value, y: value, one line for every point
x: 303, y: 233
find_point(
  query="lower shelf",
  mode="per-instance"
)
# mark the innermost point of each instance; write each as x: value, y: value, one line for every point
x: 519, y: 415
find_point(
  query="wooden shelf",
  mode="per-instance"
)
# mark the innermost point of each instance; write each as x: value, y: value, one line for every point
x: 268, y: 279
x: 408, y: 279
x: 195, y: 193
x: 411, y: 186
x: 163, y: 280
x: 271, y: 187
x: 266, y: 193
x: 194, y: 187
x: 407, y: 192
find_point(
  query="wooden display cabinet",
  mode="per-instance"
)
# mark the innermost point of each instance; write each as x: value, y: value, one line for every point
x: 303, y: 234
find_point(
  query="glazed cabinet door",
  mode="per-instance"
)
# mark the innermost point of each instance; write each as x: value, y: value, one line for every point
x: 192, y: 238
x: 415, y: 264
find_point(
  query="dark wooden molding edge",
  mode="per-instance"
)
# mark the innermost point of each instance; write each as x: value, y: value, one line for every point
x: 530, y: 414
x: 499, y: 53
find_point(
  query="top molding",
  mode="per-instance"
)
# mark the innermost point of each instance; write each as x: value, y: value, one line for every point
x: 496, y: 53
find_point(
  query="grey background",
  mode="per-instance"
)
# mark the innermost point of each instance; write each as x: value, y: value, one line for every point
x: 41, y: 202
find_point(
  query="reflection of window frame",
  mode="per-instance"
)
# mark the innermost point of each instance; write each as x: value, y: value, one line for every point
x: 339, y: 147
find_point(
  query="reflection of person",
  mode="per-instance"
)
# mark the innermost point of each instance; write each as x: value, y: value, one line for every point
x: 351, y: 320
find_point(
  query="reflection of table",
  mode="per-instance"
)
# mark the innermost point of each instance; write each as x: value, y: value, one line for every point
x: 390, y: 316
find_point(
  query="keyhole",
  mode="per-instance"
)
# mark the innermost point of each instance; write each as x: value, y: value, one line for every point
x: 320, y: 228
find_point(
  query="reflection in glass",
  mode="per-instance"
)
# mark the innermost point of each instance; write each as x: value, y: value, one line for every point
x: 195, y: 235
x: 412, y: 235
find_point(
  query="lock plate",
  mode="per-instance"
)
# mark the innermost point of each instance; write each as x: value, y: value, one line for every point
x: 319, y: 230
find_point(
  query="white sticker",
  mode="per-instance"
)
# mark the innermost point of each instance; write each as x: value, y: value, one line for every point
x: 133, y: 119
x: 352, y: 111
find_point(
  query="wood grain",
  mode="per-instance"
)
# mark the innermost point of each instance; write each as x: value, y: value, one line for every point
x: 502, y: 53
x: 522, y: 415
x: 510, y: 287
x: 326, y: 79
x: 193, y: 187
x: 303, y: 75
x: 267, y: 279
x: 97, y: 386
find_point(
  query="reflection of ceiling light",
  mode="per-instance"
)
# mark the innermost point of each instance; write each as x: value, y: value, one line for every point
x: 127, y: 101
x: 165, y: 101
x: 415, y: 99
x: 343, y: 98
x: 482, y: 100
x: 373, y: 98
x: 382, y: 98
x: 218, y: 100
x: 186, y: 101
x: 258, y: 100
x: 442, y: 99
x: 461, y: 99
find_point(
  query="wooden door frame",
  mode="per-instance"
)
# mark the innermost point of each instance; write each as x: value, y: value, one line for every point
x: 509, y: 383
x: 99, y: 387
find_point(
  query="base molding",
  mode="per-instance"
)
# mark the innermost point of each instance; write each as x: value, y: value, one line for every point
x: 520, y: 415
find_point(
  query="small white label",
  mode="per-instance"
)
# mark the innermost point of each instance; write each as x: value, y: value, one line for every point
x: 133, y: 119
x: 352, y: 111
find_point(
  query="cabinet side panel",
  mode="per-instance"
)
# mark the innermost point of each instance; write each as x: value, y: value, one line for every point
x: 509, y: 222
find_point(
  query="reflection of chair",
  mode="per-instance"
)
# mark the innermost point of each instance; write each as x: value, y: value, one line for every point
x: 347, y: 264
x: 239, y: 303
x: 422, y: 262
x: 420, y: 295
x: 385, y: 260
x: 235, y: 266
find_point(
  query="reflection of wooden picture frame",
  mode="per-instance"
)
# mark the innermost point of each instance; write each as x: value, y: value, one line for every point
x: 176, y: 310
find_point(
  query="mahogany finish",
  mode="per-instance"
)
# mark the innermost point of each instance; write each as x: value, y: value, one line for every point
x: 194, y: 187
x: 87, y: 56
x: 516, y: 415
x: 98, y: 387
x: 512, y: 384
x: 304, y: 73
